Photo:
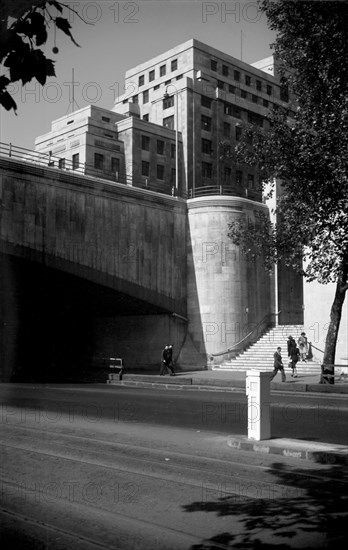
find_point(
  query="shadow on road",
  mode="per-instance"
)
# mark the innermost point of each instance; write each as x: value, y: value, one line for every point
x: 301, y: 509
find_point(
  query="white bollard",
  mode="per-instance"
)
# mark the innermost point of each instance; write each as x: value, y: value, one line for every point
x: 258, y: 393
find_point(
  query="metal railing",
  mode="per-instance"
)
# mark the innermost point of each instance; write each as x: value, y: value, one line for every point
x: 63, y: 165
x: 267, y: 322
x: 226, y: 189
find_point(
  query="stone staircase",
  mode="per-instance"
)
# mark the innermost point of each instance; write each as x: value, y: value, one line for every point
x: 259, y: 355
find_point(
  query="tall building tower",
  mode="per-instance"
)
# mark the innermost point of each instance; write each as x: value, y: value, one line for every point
x: 208, y: 96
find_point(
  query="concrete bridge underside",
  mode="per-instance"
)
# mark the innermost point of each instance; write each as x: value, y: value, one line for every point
x: 89, y: 269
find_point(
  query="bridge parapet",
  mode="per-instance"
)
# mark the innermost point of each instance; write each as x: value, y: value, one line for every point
x: 129, y: 239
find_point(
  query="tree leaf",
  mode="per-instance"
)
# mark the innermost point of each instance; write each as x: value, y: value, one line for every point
x: 7, y: 101
x: 39, y: 28
x: 64, y: 25
x: 56, y: 5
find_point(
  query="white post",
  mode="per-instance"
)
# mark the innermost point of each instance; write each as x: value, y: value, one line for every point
x: 258, y: 394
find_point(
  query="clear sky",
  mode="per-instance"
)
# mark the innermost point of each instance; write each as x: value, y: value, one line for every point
x: 124, y: 34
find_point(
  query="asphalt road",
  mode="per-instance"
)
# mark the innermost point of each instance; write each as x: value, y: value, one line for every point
x: 130, y: 469
x: 311, y: 417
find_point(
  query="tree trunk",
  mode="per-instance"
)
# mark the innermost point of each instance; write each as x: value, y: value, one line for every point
x: 335, y: 319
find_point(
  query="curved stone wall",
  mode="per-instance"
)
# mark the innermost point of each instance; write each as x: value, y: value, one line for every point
x: 227, y: 295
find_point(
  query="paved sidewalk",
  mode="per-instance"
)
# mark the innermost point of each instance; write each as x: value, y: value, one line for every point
x: 324, y: 453
x: 229, y: 381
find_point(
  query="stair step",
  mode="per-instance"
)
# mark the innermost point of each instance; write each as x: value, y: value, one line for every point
x: 259, y: 354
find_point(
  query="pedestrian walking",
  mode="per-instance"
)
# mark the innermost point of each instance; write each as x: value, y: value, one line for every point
x: 167, y: 360
x: 278, y: 365
x: 295, y: 357
x: 291, y: 346
x: 303, y: 346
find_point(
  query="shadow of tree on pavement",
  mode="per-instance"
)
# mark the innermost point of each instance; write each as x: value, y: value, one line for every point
x: 301, y: 508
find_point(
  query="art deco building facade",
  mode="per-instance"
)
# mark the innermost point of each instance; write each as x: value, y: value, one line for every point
x: 208, y: 96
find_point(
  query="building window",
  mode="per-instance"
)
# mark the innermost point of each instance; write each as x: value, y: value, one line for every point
x: 232, y: 110
x: 135, y: 99
x: 179, y: 77
x: 251, y: 181
x: 284, y: 93
x: 206, y: 101
x: 145, y: 168
x: 151, y: 76
x: 265, y: 103
x: 172, y: 150
x: 231, y: 89
x: 254, y: 98
x: 61, y: 163
x: 243, y: 94
x: 220, y: 84
x: 225, y: 70
x: 146, y: 118
x: 213, y: 65
x: 239, y: 132
x: 206, y: 123
x: 168, y: 102
x: 75, y: 161
x: 146, y: 96
x: 269, y: 89
x: 162, y: 70
x: 167, y: 82
x: 115, y: 166
x: 259, y: 85
x: 160, y: 147
x: 98, y: 161
x: 206, y: 146
x: 227, y: 129
x: 168, y: 122
x: 207, y: 170
x: 236, y: 76
x: 239, y: 177
x: 105, y: 119
x: 141, y: 80
x: 157, y: 87
x: 160, y: 172
x: 227, y: 174
x: 145, y: 143
x: 174, y: 64
x: 247, y: 80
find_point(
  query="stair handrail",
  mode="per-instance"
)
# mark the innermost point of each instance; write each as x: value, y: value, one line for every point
x: 245, y: 337
x: 315, y: 347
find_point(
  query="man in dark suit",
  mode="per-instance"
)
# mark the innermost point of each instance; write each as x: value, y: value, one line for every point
x: 278, y: 365
x: 167, y: 360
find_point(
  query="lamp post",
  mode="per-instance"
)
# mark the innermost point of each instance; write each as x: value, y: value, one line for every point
x: 175, y: 96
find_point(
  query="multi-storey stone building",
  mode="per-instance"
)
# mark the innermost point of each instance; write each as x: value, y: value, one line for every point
x: 208, y: 96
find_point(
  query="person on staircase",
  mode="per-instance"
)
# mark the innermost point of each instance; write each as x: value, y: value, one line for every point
x: 303, y: 346
x: 291, y: 346
x: 278, y: 365
x: 294, y: 357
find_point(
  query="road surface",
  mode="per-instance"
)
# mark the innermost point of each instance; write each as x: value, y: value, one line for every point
x: 94, y: 468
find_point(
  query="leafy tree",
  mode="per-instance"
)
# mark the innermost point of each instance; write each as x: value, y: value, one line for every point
x: 305, y: 148
x: 24, y: 26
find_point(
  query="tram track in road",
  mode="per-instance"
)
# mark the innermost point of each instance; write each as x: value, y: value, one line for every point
x: 50, y: 470
x: 115, y: 524
x: 173, y: 465
x: 52, y: 531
